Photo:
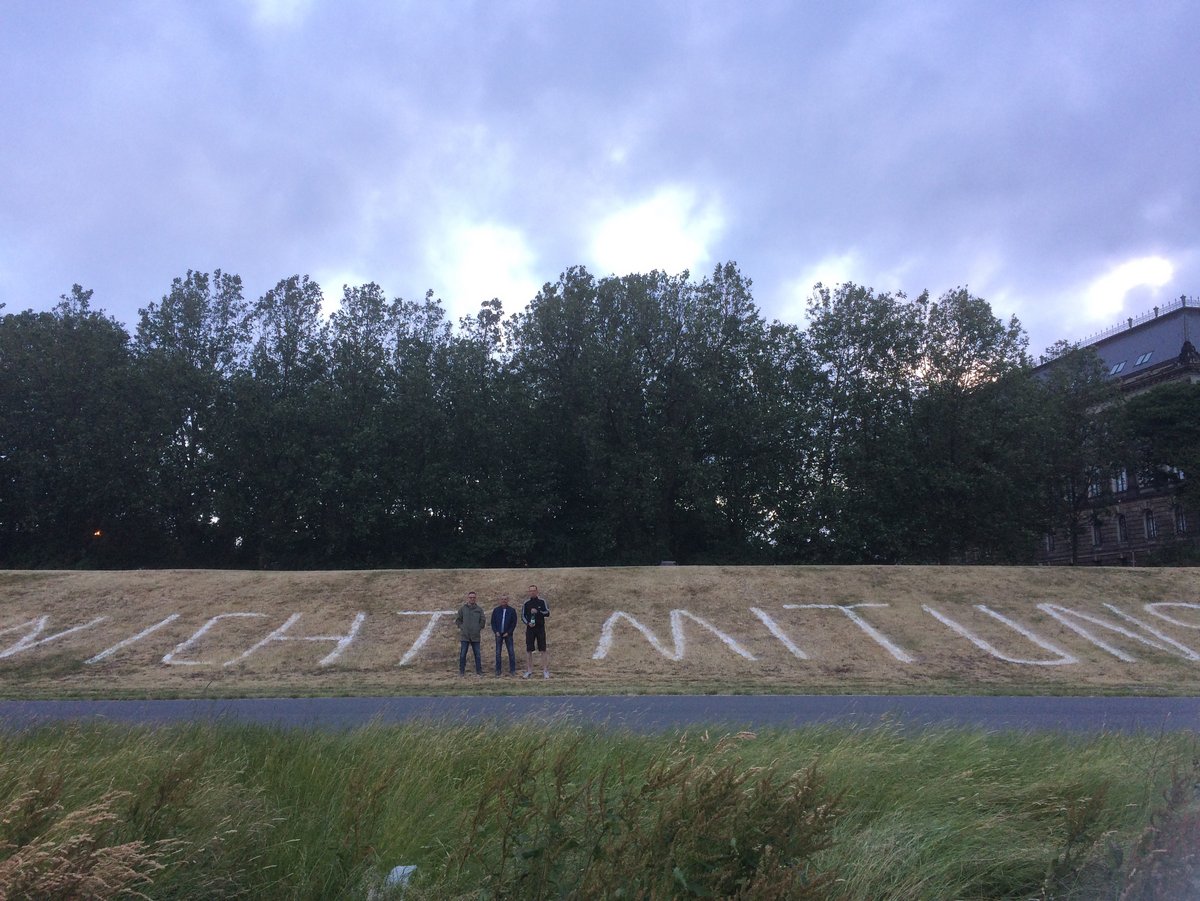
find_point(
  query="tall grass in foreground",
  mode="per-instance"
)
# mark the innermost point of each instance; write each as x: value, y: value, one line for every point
x: 227, y: 811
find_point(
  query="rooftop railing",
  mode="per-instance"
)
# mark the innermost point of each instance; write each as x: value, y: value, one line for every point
x: 1182, y: 301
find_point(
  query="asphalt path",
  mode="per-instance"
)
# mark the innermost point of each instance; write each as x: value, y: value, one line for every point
x: 640, y: 713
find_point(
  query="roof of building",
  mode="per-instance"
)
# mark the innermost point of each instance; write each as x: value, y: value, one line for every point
x: 1151, y: 341
x: 1146, y: 342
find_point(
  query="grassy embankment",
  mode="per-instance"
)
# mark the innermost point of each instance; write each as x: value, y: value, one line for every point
x: 782, y: 630
x: 218, y: 811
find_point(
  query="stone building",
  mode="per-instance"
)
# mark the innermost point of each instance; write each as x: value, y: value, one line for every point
x: 1132, y: 517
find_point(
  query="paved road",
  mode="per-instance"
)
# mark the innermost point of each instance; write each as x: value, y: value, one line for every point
x: 644, y: 713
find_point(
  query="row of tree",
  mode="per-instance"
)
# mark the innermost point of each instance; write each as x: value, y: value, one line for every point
x: 612, y: 421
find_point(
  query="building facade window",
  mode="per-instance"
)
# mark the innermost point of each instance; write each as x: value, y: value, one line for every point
x: 1150, y: 524
x: 1120, y: 481
x: 1181, y: 521
x: 1122, y: 529
x: 1049, y: 542
x: 1097, y: 533
x: 1143, y: 359
x: 1094, y: 487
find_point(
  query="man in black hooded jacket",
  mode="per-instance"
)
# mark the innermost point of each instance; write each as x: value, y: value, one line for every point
x: 533, y: 614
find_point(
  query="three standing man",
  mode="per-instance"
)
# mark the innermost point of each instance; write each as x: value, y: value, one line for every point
x: 470, y: 621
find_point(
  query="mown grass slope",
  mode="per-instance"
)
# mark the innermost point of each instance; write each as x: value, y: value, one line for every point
x: 702, y: 629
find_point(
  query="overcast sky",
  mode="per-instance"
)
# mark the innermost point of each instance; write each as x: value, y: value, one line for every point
x: 1045, y: 154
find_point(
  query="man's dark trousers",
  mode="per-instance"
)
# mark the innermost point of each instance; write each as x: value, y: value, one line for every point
x: 502, y: 641
x: 462, y: 657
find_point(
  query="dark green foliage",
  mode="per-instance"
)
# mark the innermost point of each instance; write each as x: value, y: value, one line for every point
x: 189, y: 347
x: 621, y: 420
x: 970, y: 434
x: 1078, y: 439
x: 664, y: 413
x: 927, y: 430
x: 1175, y: 553
x: 868, y: 349
x: 1163, y: 428
x: 76, y: 441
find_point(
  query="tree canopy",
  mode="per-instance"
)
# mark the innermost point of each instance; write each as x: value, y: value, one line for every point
x: 626, y: 420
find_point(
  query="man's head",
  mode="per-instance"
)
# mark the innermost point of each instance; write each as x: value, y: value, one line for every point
x: 503, y: 600
x: 471, y: 597
x: 533, y: 591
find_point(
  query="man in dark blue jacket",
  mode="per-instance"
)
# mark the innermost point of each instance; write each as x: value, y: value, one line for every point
x: 504, y: 623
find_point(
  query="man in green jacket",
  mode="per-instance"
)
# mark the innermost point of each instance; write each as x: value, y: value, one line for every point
x: 470, y: 624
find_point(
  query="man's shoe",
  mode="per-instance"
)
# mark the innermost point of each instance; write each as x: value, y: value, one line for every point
x: 546, y: 674
x: 526, y: 674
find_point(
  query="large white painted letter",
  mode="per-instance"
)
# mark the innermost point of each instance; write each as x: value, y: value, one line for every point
x: 425, y: 633
x: 849, y: 609
x: 1069, y: 618
x: 1062, y: 658
x: 103, y: 655
x: 36, y: 627
x: 677, y: 636
x: 774, y: 629
x: 1186, y: 652
x: 1156, y: 611
x: 280, y: 634
x: 606, y: 637
x: 196, y: 636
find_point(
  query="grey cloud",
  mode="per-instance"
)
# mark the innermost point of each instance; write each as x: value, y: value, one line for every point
x: 1052, y: 139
